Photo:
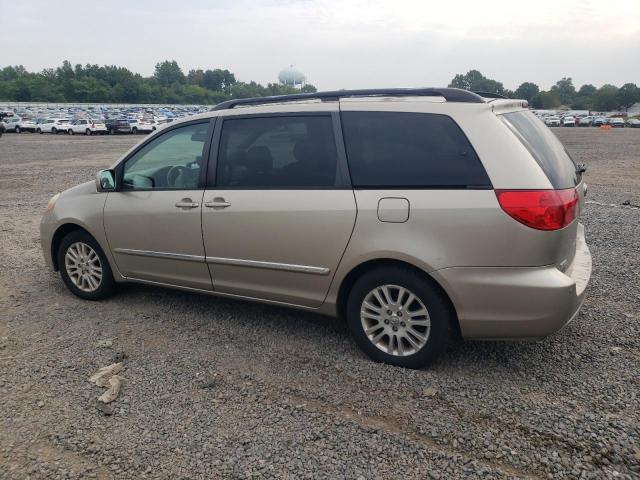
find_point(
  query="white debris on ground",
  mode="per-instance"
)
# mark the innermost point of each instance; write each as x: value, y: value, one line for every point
x: 107, y: 377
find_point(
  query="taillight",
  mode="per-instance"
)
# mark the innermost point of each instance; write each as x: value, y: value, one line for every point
x: 540, y: 209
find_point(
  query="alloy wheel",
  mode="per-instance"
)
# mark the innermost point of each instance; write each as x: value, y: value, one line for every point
x: 395, y: 320
x: 83, y: 266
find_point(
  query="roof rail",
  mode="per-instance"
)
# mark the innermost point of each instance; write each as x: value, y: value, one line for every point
x: 449, y: 94
x: 490, y: 95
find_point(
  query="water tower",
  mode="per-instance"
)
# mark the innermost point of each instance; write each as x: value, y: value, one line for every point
x: 292, y: 77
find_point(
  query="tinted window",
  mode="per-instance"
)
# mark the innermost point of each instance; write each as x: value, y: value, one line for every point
x: 391, y: 149
x: 271, y: 152
x: 543, y: 145
x: 171, y: 160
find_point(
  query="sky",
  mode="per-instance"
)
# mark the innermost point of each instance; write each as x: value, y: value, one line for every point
x: 337, y: 43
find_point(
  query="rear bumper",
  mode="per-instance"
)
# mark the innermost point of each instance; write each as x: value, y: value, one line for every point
x: 518, y: 303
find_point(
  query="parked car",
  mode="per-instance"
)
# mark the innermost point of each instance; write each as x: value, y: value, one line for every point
x: 568, y: 121
x: 412, y: 218
x: 616, y: 122
x: 53, y: 125
x: 87, y: 126
x: 10, y: 123
x: 25, y: 125
x: 118, y: 126
x: 553, y: 121
x: 633, y: 123
x: 599, y: 121
x: 584, y: 122
x: 3, y: 127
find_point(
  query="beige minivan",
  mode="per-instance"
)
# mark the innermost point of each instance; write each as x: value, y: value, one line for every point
x: 415, y: 214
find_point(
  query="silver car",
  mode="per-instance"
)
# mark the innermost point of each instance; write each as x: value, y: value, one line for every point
x: 416, y: 215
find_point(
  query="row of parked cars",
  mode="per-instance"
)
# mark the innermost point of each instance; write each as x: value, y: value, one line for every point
x: 589, y: 121
x: 90, y: 119
x: 86, y: 126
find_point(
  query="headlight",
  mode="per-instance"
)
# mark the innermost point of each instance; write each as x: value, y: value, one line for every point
x: 52, y: 202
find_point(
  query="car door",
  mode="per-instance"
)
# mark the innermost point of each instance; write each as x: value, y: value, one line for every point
x: 280, y: 210
x: 153, y: 220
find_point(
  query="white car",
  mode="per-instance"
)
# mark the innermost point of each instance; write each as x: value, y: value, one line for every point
x: 10, y: 123
x: 25, y: 125
x: 87, y: 126
x: 552, y: 121
x: 143, y: 125
x: 616, y: 122
x: 569, y: 121
x: 54, y: 125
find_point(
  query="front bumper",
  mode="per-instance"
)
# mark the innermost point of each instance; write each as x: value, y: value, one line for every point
x: 518, y: 302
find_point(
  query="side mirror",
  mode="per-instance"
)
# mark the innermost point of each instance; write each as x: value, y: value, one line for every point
x: 106, y: 181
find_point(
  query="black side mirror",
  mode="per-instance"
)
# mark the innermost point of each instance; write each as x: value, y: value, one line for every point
x: 106, y: 181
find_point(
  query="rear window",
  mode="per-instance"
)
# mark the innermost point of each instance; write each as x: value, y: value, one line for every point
x: 413, y: 150
x: 544, y: 146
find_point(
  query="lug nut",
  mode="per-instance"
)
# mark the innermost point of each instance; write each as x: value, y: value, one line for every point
x: 386, y: 321
x: 403, y: 324
x: 395, y: 329
x: 399, y: 314
x: 388, y: 312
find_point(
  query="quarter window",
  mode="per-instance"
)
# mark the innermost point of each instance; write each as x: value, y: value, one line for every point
x: 415, y: 150
x: 277, y: 152
x: 172, y: 160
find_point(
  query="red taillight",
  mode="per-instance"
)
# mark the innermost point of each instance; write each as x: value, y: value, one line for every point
x: 540, y: 209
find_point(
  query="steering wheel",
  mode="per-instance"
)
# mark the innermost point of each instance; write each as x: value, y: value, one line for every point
x: 179, y: 176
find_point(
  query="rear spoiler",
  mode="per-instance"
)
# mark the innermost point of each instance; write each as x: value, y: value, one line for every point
x: 508, y: 105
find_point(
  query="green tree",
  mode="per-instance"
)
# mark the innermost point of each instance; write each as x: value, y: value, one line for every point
x: 628, y: 95
x: 527, y: 91
x: 587, y: 90
x: 546, y: 100
x: 606, y: 98
x: 565, y: 89
x: 168, y: 72
x: 476, y: 82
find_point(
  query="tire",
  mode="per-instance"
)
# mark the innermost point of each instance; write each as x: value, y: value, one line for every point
x: 434, y: 328
x: 87, y: 132
x: 134, y: 130
x: 54, y: 130
x: 39, y: 131
x: 89, y: 291
x: 70, y: 132
x: 18, y: 130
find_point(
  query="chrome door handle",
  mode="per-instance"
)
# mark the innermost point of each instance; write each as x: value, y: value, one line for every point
x: 217, y: 203
x: 187, y: 203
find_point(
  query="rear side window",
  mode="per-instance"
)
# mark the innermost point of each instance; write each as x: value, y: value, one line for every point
x: 415, y: 150
x: 548, y: 151
x: 271, y: 152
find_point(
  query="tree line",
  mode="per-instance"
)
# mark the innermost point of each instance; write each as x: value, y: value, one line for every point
x: 563, y: 93
x: 113, y: 84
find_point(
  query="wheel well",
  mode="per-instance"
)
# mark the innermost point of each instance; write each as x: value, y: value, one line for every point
x: 357, y: 272
x: 62, y: 232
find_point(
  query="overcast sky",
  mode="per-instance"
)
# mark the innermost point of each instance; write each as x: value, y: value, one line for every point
x: 337, y: 43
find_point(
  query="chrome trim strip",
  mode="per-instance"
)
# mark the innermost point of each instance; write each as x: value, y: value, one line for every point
x: 269, y: 265
x: 169, y: 256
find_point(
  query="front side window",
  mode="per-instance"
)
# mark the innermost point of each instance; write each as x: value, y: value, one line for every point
x: 172, y: 160
x: 277, y: 152
x: 413, y: 150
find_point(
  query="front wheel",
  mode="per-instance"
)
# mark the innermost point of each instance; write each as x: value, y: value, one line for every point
x: 134, y: 130
x: 18, y: 130
x: 87, y: 132
x: 54, y: 130
x: 84, y: 267
x: 70, y: 132
x: 398, y: 316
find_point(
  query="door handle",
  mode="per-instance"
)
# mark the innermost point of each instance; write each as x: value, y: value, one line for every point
x: 217, y: 202
x: 187, y: 203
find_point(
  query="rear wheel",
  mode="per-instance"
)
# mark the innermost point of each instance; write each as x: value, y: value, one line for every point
x: 18, y: 130
x: 134, y: 130
x: 399, y: 317
x: 38, y: 130
x: 87, y: 132
x: 70, y: 132
x: 54, y: 130
x: 84, y: 267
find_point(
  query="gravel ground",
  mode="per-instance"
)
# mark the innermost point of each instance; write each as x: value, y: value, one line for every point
x: 223, y: 389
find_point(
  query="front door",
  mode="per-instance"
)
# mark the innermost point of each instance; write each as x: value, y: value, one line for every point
x: 281, y: 214
x: 153, y: 221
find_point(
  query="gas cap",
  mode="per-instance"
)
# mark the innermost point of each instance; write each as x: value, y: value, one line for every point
x: 393, y: 210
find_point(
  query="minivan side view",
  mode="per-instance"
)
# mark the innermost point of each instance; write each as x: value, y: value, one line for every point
x: 417, y: 215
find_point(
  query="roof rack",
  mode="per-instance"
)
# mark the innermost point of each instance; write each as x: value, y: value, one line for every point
x: 489, y: 95
x: 449, y: 94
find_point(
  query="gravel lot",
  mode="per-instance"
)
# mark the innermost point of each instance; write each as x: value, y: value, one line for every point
x: 224, y: 389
